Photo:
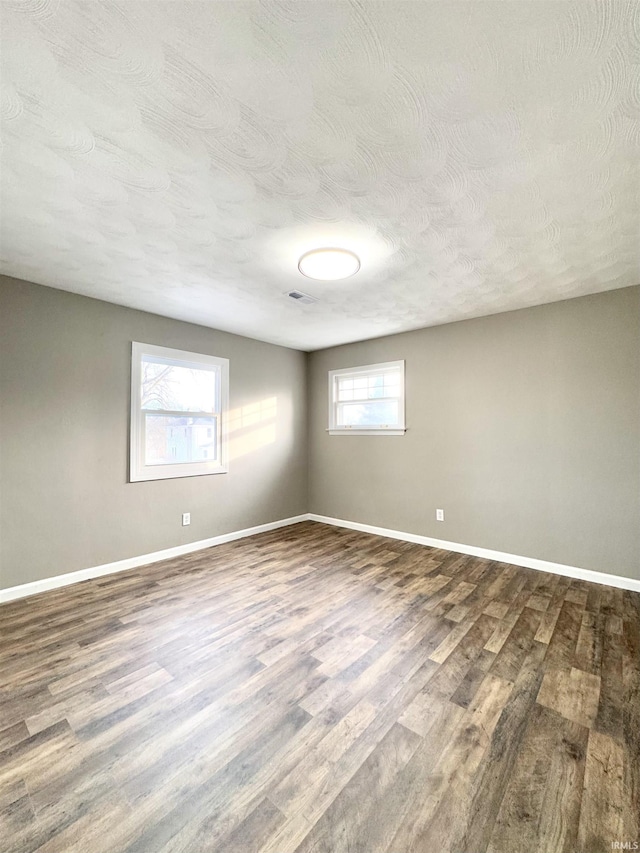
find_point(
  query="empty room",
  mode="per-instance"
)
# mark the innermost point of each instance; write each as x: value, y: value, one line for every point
x: 320, y: 426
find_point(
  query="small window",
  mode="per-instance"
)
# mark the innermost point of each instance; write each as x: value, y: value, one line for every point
x: 179, y: 404
x: 366, y: 400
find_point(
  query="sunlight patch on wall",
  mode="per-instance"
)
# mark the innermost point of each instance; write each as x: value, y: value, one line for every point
x: 252, y: 426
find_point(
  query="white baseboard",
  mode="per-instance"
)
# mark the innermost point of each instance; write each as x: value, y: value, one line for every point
x: 133, y: 562
x: 487, y: 554
x: 144, y: 559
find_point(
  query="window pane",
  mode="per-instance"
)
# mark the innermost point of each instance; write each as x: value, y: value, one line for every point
x: 372, y: 413
x: 173, y: 440
x: 370, y: 387
x: 167, y: 386
x: 376, y: 386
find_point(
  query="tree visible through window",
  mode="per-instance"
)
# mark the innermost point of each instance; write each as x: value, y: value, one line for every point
x: 177, y: 413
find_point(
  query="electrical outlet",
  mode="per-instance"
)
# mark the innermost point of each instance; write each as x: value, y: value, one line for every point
x: 186, y: 518
x: 439, y: 515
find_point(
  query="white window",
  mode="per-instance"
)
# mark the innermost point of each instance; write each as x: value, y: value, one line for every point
x: 179, y: 405
x: 367, y: 400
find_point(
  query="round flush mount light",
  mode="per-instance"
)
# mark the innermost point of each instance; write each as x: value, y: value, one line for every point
x: 329, y: 264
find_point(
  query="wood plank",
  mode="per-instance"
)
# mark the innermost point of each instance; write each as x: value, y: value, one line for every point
x: 602, y: 812
x: 540, y: 809
x: 473, y: 823
x: 574, y: 694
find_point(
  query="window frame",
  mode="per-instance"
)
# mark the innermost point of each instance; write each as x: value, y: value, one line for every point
x: 139, y: 471
x: 395, y: 429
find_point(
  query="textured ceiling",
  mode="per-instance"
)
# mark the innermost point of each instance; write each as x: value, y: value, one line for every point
x: 179, y: 157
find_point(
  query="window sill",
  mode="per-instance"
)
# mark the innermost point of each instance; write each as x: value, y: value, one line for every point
x: 174, y: 472
x: 366, y: 431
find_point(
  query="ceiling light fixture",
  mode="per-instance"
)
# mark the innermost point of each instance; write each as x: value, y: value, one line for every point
x: 329, y: 264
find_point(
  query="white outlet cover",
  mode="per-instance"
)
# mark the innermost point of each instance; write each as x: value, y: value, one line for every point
x: 186, y: 518
x: 439, y: 515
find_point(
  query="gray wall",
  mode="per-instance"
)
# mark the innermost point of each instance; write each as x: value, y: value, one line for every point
x: 65, y: 503
x: 524, y: 427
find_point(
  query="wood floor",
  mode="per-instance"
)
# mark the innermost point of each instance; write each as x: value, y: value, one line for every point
x: 319, y: 690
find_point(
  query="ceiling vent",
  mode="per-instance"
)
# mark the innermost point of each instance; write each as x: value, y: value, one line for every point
x: 303, y: 298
